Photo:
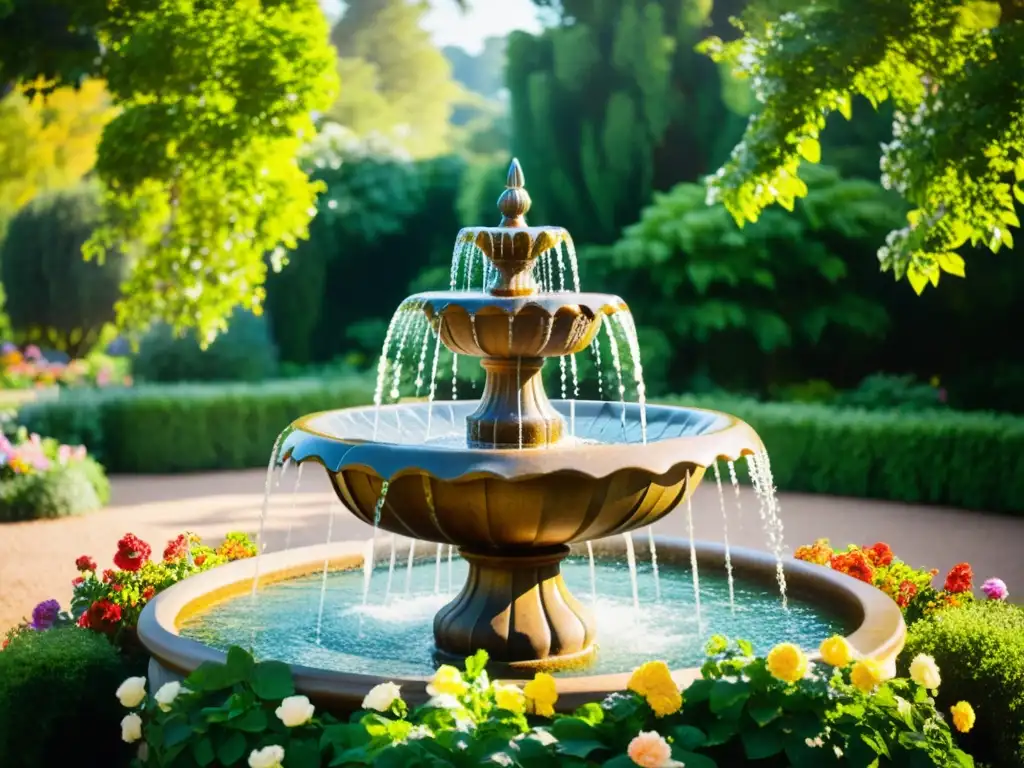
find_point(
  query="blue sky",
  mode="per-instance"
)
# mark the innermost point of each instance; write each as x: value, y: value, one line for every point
x: 485, y: 18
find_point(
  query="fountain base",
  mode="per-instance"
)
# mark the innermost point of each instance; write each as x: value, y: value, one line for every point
x: 518, y: 609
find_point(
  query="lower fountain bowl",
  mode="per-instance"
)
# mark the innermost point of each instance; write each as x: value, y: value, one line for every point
x: 871, y: 621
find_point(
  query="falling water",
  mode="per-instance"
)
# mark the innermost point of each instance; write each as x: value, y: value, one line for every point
x: 295, y: 504
x: 596, y: 346
x: 433, y: 378
x: 323, y: 578
x: 268, y: 484
x: 451, y: 550
x: 575, y: 395
x: 628, y: 327
x: 382, y: 369
x: 455, y: 376
x: 593, y: 573
x: 725, y: 538
x: 570, y: 251
x: 437, y: 571
x: 457, y: 253
x: 768, y: 507
x: 408, y: 567
x: 565, y: 378
x: 654, y: 562
x: 631, y: 561
x: 617, y: 365
x: 469, y: 269
x: 412, y: 320
x: 519, y: 397
x: 511, y: 330
x: 391, y: 567
x: 693, y: 556
x: 561, y: 269
x: 423, y: 360
x: 736, y: 488
x: 368, y: 562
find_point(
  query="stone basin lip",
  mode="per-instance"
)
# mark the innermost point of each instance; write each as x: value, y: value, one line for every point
x: 670, y: 444
x: 880, y: 630
x: 550, y: 302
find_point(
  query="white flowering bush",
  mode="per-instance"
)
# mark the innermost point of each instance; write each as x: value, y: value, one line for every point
x: 774, y: 711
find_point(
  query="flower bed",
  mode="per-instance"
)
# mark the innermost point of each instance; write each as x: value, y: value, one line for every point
x: 31, y: 370
x: 775, y: 711
x: 41, y: 478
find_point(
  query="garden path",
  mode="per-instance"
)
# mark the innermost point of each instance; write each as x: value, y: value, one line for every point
x: 37, y: 558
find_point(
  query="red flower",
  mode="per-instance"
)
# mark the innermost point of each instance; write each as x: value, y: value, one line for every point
x: 116, y: 587
x: 200, y: 559
x: 7, y: 641
x: 83, y: 620
x: 132, y: 552
x: 907, y: 592
x: 102, y: 616
x: 77, y: 581
x: 879, y: 554
x: 148, y: 592
x: 176, y: 549
x: 108, y: 576
x: 959, y: 579
x: 85, y: 563
x: 853, y: 564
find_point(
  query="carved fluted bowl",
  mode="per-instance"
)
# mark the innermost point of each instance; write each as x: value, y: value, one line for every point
x: 602, y: 480
x: 542, y: 325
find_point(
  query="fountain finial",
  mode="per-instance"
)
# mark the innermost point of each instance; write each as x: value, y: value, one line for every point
x: 515, y: 201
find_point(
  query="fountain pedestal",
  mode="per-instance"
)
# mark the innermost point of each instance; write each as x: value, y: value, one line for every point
x: 514, y: 409
x: 516, y: 607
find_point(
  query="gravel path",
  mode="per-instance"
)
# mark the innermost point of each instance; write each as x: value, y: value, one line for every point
x: 37, y: 559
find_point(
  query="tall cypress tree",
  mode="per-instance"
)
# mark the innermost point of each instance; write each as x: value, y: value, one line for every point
x: 613, y: 103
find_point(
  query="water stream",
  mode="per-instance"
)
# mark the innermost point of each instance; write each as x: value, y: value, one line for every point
x: 654, y: 562
x: 725, y: 539
x: 631, y: 563
x: 323, y: 579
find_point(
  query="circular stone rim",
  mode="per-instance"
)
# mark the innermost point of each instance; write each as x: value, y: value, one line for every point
x: 880, y: 633
x: 733, y: 440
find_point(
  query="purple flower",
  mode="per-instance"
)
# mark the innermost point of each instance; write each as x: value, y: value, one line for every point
x: 45, y: 615
x: 995, y: 589
x: 6, y: 348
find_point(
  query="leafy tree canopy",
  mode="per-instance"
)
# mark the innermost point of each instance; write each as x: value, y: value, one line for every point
x: 215, y: 99
x: 953, y: 72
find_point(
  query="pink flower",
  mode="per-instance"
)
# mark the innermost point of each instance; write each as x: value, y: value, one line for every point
x: 32, y: 352
x: 64, y: 454
x: 995, y: 589
x: 102, y: 377
x: 649, y: 750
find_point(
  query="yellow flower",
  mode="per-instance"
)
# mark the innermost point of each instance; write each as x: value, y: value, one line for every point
x: 654, y: 682
x: 447, y: 681
x: 925, y: 672
x: 836, y: 652
x: 541, y: 695
x: 963, y: 716
x: 867, y: 674
x: 510, y: 698
x: 787, y: 662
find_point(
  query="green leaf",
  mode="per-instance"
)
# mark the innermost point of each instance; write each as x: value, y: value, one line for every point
x: 809, y: 149
x: 231, y: 749
x: 202, y: 752
x: 761, y: 743
x: 693, y: 759
x: 571, y: 728
x: 475, y: 664
x: 689, y: 737
x: 590, y: 712
x: 578, y: 748
x: 272, y: 680
x: 952, y: 263
x: 721, y: 732
x: 698, y: 691
x: 619, y: 761
x: 745, y: 647
x: 176, y: 732
x: 917, y: 279
x: 980, y: 14
x: 303, y: 753
x: 1018, y: 193
x: 253, y: 721
x: 239, y: 663
x: 211, y: 676
x: 726, y: 693
x: 764, y: 713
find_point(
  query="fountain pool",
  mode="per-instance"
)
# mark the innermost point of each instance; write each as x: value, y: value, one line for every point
x: 515, y: 484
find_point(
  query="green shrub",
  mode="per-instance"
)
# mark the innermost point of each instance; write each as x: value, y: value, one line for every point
x: 57, y: 703
x: 63, y: 491
x: 245, y: 353
x: 188, y: 427
x: 980, y: 653
x: 54, y: 295
x: 885, y: 391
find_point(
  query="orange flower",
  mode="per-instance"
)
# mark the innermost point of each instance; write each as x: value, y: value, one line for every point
x: 854, y: 564
x: 959, y: 579
x: 819, y: 552
x: 880, y: 554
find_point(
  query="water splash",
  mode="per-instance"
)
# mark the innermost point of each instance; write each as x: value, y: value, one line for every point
x: 437, y: 570
x: 693, y: 557
x: 631, y: 562
x: 725, y: 539
x: 295, y: 504
x: 654, y: 562
x: 323, y: 577
x: 768, y: 508
x: 391, y: 567
x: 736, y: 489
x: 593, y: 573
x: 368, y: 561
x: 408, y: 568
x: 628, y: 326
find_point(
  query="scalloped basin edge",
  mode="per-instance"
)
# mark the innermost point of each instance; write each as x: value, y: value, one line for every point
x: 880, y: 630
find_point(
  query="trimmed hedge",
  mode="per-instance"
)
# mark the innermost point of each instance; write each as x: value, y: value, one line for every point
x: 63, y: 491
x: 971, y: 460
x: 57, y: 702
x: 188, y: 427
x: 980, y: 653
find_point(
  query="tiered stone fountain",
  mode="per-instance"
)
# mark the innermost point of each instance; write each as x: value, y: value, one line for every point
x: 530, y: 478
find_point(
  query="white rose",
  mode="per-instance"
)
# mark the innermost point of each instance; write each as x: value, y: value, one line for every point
x: 295, y: 711
x: 419, y: 732
x: 268, y: 757
x: 132, y: 692
x: 131, y: 728
x: 924, y: 671
x: 381, y: 697
x: 167, y: 694
x: 444, y: 701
